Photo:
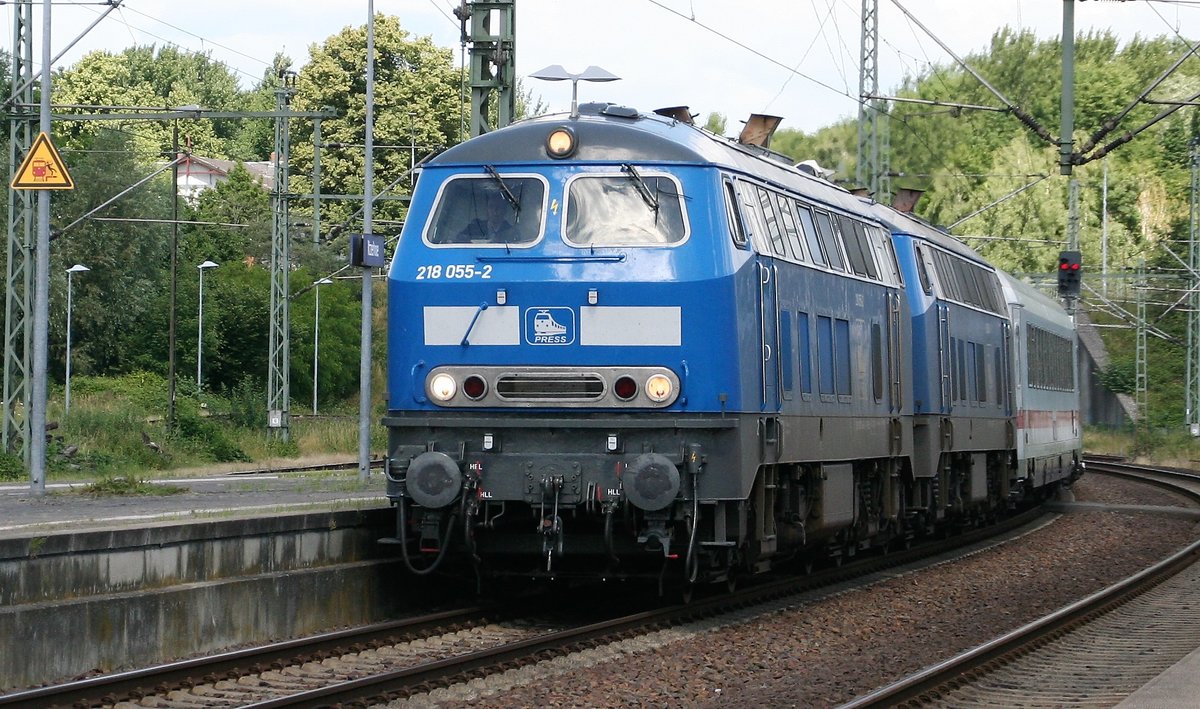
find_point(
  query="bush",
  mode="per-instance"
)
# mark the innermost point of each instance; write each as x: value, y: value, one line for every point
x: 208, y: 436
x: 11, y: 467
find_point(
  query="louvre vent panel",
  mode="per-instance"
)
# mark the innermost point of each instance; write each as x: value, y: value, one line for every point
x: 542, y: 387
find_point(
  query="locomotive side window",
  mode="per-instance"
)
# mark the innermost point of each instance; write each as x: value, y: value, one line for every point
x: 954, y: 395
x: 962, y: 370
x: 737, y: 230
x: 841, y: 344
x: 790, y: 230
x: 771, y: 220
x: 805, y: 353
x: 810, y: 234
x: 631, y: 209
x: 853, y: 247
x: 922, y: 273
x: 877, y: 361
x: 886, y: 252
x: 981, y: 372
x: 825, y: 355
x: 488, y: 210
x: 753, y: 217
x: 785, y: 351
x: 829, y: 239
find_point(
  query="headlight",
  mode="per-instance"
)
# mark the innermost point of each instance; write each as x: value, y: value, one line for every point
x: 442, y: 387
x: 560, y: 143
x: 658, y: 388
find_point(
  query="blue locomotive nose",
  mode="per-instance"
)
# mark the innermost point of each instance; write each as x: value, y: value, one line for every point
x: 433, y: 480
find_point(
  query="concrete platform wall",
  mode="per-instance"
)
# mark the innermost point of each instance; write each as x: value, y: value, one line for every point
x: 119, y: 599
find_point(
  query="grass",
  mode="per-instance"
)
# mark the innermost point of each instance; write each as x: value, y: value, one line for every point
x: 116, y: 435
x: 125, y: 485
x: 1174, y: 448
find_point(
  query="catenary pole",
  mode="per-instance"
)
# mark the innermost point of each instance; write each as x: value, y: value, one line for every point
x: 41, y: 306
x: 364, y: 363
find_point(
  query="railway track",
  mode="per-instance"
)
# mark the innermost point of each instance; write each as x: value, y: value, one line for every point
x: 1093, y: 652
x: 401, y: 659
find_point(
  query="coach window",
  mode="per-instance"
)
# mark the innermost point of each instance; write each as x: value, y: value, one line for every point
x: 631, y: 209
x: 810, y: 234
x: 829, y: 242
x: 737, y: 230
x: 486, y: 211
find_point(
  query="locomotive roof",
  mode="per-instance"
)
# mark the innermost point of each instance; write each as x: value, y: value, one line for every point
x: 905, y: 223
x: 610, y: 133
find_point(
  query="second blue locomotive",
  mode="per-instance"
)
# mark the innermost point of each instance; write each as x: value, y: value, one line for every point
x: 620, y: 345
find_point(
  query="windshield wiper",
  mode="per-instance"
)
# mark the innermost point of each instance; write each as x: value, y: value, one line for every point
x: 504, y: 190
x: 641, y: 186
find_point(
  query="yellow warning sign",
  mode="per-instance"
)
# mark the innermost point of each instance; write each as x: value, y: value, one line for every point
x: 43, y: 169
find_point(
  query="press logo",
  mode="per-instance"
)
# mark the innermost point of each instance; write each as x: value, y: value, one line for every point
x: 549, y: 326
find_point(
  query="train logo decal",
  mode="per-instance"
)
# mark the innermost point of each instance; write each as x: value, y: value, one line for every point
x: 550, y: 326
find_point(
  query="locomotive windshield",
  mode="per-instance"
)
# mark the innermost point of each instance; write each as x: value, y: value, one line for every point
x: 489, y: 210
x: 630, y: 209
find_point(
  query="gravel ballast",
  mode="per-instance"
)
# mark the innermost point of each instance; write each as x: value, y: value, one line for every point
x: 833, y: 650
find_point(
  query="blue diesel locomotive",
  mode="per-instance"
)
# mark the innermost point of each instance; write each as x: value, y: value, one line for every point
x: 623, y: 346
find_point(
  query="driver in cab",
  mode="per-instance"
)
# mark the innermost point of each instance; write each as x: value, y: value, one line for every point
x: 494, y: 226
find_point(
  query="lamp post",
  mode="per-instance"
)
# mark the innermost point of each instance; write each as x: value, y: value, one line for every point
x: 200, y: 321
x: 316, y: 335
x: 77, y: 268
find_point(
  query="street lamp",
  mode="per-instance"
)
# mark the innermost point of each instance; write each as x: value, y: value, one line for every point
x: 200, y: 320
x: 77, y: 268
x: 316, y: 335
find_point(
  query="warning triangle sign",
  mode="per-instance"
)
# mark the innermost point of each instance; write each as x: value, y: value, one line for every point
x: 43, y: 169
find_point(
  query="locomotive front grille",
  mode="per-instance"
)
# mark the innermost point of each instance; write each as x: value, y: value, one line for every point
x: 554, y: 387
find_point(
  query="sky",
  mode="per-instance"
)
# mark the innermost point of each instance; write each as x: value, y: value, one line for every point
x: 792, y: 58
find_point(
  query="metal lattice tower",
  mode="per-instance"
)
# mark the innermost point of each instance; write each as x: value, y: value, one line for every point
x: 22, y: 215
x: 868, y: 85
x: 1142, y: 379
x: 493, y: 65
x: 1192, y: 382
x: 278, y: 344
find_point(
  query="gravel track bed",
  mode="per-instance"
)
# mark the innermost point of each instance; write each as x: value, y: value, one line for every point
x: 833, y: 650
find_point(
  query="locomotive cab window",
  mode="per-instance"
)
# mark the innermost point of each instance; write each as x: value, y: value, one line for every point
x: 634, y: 208
x: 737, y: 230
x: 492, y: 210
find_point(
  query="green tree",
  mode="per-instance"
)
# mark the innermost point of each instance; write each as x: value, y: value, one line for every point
x: 164, y: 78
x: 239, y: 200
x: 416, y: 103
x: 118, y: 303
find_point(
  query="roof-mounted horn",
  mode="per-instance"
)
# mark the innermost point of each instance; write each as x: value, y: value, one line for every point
x: 759, y: 129
x: 680, y: 113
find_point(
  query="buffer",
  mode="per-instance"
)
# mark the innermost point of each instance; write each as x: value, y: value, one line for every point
x: 43, y: 168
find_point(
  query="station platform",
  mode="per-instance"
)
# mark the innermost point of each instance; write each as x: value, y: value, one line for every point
x: 67, y: 508
x: 1178, y: 686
